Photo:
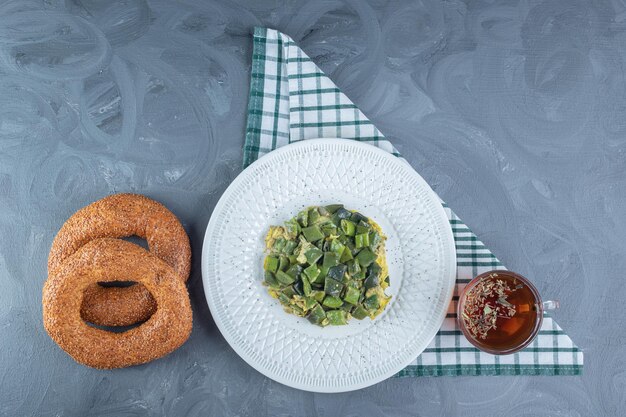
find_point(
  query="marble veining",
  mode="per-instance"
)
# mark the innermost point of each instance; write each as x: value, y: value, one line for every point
x: 513, y: 110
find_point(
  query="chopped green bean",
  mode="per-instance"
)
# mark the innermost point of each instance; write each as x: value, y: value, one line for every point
x: 371, y: 281
x: 303, y: 218
x: 371, y: 302
x: 357, y: 217
x: 306, y: 286
x: 283, y: 262
x: 348, y: 227
x: 330, y: 260
x: 318, y: 295
x: 342, y: 213
x: 337, y: 272
x: 332, y: 208
x: 313, y: 254
x: 362, y: 240
x: 312, y: 233
x: 361, y: 274
x: 284, y: 299
x: 298, y: 287
x: 328, y: 228
x: 354, y: 267
x: 288, y: 291
x: 352, y: 283
x: 337, y: 317
x: 326, y: 264
x: 375, y: 241
x: 270, y: 280
x: 270, y: 264
x: 350, y: 245
x: 346, y: 307
x: 294, y: 271
x: 317, y: 315
x: 343, y: 238
x: 312, y: 272
x: 290, y: 245
x: 279, y: 244
x: 366, y: 257
x: 283, y: 278
x: 363, y: 227
x: 359, y: 312
x: 332, y: 287
x: 373, y: 276
x: 314, y: 215
x: 352, y: 296
x: 332, y: 302
x: 337, y: 248
x: 292, y: 228
x: 374, y: 269
x: 346, y: 255
x: 309, y: 303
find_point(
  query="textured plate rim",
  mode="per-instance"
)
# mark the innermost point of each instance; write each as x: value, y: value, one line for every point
x: 449, y: 253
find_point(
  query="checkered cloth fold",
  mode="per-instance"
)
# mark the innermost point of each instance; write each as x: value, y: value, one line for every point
x: 291, y: 99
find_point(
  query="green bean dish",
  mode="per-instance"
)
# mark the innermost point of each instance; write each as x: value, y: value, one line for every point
x: 327, y: 264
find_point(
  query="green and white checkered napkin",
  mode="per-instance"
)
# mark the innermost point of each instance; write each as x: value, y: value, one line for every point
x: 291, y: 99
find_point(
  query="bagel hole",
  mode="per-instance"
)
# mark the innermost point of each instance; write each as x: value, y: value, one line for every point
x: 115, y: 329
x: 121, y: 284
x: 137, y: 241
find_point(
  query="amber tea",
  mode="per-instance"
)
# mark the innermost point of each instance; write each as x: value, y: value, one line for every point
x: 500, y: 312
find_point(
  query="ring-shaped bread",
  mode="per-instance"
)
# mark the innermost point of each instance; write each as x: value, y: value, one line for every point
x: 115, y: 260
x: 123, y: 215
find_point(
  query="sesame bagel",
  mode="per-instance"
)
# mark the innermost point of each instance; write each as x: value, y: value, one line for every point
x: 115, y: 260
x: 117, y: 216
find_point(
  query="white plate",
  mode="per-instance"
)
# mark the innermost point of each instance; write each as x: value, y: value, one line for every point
x: 420, y: 251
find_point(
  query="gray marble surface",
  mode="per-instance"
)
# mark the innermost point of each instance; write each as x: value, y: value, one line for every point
x: 514, y: 111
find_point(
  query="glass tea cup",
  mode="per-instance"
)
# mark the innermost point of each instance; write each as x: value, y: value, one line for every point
x: 500, y: 312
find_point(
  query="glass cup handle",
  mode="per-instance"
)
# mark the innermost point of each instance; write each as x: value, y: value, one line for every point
x: 551, y: 305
